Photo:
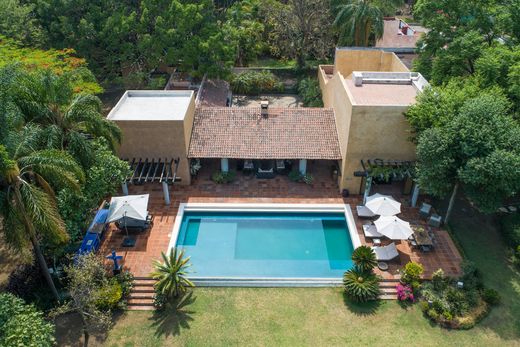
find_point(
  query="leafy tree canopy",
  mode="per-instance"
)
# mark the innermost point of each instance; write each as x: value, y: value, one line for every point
x: 479, y: 148
x: 61, y: 62
x: 23, y: 325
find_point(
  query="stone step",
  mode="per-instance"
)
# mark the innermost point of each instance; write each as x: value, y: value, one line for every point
x: 143, y: 289
x: 387, y: 297
x: 141, y: 296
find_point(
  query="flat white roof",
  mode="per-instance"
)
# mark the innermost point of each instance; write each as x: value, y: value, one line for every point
x: 152, y: 105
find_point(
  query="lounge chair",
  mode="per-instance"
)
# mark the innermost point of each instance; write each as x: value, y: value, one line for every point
x: 370, y: 231
x: 386, y: 253
x: 364, y: 212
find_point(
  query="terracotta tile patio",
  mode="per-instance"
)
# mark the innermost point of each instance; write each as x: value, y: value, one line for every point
x: 149, y: 244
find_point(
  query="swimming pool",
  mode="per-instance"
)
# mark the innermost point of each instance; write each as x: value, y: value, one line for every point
x: 266, y: 243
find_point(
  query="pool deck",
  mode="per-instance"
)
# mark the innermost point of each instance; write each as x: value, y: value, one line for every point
x: 247, y: 189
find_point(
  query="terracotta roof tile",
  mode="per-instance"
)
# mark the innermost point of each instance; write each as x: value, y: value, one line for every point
x: 241, y: 132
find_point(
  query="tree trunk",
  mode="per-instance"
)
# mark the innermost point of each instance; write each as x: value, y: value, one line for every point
x: 452, y: 202
x: 86, y: 334
x: 29, y: 228
x: 43, y: 267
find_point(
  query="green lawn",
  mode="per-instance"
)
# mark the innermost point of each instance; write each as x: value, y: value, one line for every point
x: 321, y: 317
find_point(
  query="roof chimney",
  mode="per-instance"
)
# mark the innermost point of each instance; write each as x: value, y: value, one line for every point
x: 264, y: 105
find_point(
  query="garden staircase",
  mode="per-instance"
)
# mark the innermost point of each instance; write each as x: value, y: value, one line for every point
x: 388, y: 289
x: 141, y: 296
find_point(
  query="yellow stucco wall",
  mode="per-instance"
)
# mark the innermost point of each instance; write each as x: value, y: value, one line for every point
x: 347, y: 60
x: 159, y: 139
x: 364, y: 131
x: 375, y: 132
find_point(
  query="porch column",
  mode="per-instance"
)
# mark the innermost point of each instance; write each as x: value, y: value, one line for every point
x: 368, y: 185
x: 303, y: 166
x: 224, y: 165
x: 415, y: 195
x: 124, y: 188
x: 166, y: 192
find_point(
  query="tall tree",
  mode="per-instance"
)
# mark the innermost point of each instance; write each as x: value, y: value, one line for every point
x: 479, y: 149
x: 300, y: 29
x: 17, y: 21
x: 27, y: 200
x: 67, y: 119
x: 360, y: 21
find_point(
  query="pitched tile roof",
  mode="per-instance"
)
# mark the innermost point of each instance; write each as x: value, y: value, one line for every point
x: 242, y: 133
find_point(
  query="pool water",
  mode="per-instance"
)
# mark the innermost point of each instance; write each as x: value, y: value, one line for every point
x: 259, y: 244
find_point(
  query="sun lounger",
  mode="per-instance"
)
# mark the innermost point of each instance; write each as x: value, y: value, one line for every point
x: 370, y: 231
x: 364, y: 212
x: 386, y: 253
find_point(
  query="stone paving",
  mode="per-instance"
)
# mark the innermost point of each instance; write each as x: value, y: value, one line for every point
x: 151, y: 243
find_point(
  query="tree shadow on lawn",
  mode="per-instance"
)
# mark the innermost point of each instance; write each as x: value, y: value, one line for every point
x: 362, y: 308
x: 174, y: 316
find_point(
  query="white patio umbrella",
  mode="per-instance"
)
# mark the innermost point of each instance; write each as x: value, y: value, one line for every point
x: 393, y: 227
x: 129, y: 206
x: 383, y: 205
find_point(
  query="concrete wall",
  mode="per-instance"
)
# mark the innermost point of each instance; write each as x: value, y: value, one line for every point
x: 159, y: 139
x: 375, y: 132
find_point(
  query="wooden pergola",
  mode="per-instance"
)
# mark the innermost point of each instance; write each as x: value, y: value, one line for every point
x: 163, y: 171
x: 385, y: 170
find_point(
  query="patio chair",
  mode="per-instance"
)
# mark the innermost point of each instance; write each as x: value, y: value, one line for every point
x: 435, y: 220
x: 371, y: 232
x: 386, y: 253
x: 280, y: 166
x: 425, y: 210
x: 364, y: 212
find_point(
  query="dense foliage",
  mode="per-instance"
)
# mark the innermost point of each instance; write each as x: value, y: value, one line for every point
x: 60, y: 62
x: 310, y: 91
x: 479, y: 149
x: 454, y: 306
x: 22, y: 324
x: 256, y: 82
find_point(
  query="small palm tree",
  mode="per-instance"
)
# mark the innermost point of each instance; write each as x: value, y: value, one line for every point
x: 28, y: 210
x: 358, y: 19
x: 361, y: 286
x: 68, y: 120
x: 171, y: 274
x: 364, y: 258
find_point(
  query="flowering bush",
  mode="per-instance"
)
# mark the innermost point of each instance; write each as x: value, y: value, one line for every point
x: 405, y: 293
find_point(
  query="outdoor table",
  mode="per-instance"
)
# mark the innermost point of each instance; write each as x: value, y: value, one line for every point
x: 422, y: 239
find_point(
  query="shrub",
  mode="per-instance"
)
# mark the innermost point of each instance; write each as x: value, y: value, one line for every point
x: 412, y: 273
x: 447, y: 315
x: 255, y: 82
x: 295, y: 176
x: 361, y: 286
x: 221, y: 177
x: 23, y: 325
x: 491, y: 296
x: 110, y: 295
x: 310, y: 91
x: 439, y: 280
x: 364, y: 258
x: 405, y: 293
x: 308, y: 178
x: 471, y: 276
x: 171, y: 274
x: 126, y: 280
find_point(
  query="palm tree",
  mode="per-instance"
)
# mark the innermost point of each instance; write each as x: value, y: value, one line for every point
x: 364, y: 258
x: 68, y: 120
x: 28, y: 211
x: 358, y: 19
x: 361, y: 286
x: 171, y: 274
